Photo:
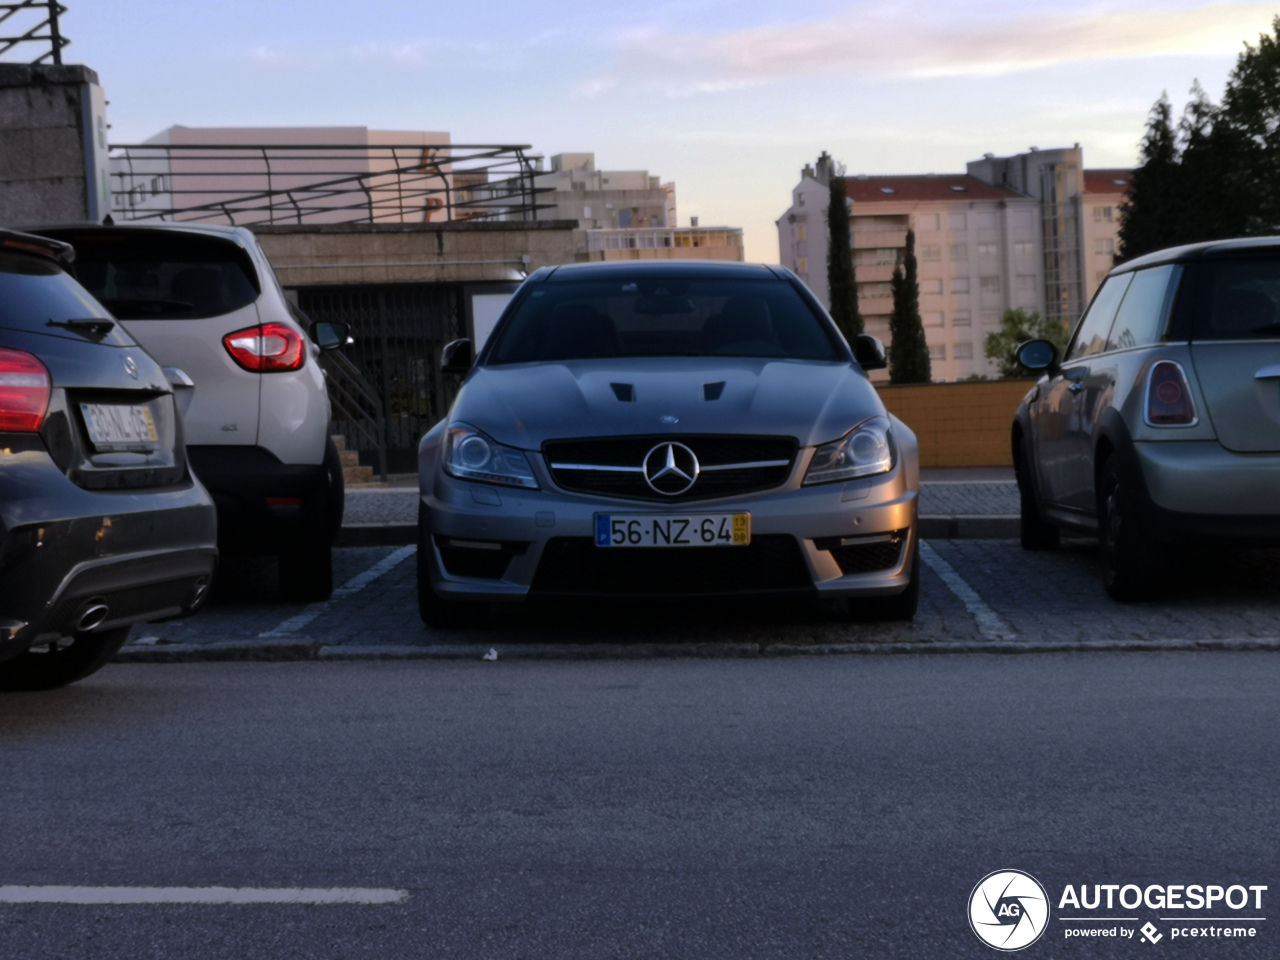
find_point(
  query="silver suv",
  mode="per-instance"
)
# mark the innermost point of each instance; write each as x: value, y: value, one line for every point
x: 204, y: 301
x: 1161, y: 424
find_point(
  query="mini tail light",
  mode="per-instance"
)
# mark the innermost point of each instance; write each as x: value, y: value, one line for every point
x: 24, y: 392
x: 1169, y: 397
x: 269, y: 348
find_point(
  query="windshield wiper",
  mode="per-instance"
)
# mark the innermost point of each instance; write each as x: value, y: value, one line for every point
x: 94, y: 326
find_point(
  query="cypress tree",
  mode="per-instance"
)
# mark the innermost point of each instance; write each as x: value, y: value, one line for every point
x: 841, y: 281
x: 908, y: 351
x: 1149, y: 213
x: 1246, y: 140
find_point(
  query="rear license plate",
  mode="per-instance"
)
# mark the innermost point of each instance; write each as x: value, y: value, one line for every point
x: 113, y: 427
x: 651, y: 530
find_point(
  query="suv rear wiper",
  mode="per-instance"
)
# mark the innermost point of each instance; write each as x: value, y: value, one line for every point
x: 94, y: 326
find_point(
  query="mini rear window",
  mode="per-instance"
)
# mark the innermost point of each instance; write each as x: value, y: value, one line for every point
x: 164, y: 276
x: 1238, y: 299
x: 658, y: 317
x: 37, y: 295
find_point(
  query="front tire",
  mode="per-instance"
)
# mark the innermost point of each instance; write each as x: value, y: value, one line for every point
x: 1130, y: 564
x: 901, y: 606
x: 57, y: 666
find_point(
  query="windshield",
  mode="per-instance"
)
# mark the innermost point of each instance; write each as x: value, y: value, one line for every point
x: 164, y: 276
x: 663, y: 318
x: 1237, y: 300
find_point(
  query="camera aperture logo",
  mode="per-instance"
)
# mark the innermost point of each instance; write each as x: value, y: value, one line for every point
x: 1008, y: 910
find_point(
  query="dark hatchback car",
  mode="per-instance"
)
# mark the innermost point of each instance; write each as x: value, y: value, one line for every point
x: 1160, y: 426
x: 101, y: 522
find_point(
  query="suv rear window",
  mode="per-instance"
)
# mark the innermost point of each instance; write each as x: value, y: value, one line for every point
x: 658, y: 317
x: 1237, y: 299
x: 35, y: 292
x: 164, y: 276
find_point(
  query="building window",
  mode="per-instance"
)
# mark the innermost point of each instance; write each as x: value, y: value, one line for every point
x: 963, y: 351
x: 872, y: 290
x: 990, y: 319
x: 937, y: 351
x: 956, y: 221
x: 930, y: 253
x: 934, y: 319
x: 984, y: 221
x: 1104, y: 246
x: 987, y: 249
x: 1026, y: 281
x: 800, y: 232
x: 802, y: 266
x: 960, y: 285
x: 960, y: 318
x: 930, y: 286
x: 799, y: 199
x: 1024, y: 248
x: 989, y: 284
x: 959, y: 251
x: 1102, y: 214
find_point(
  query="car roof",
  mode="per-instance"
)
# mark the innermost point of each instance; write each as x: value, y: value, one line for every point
x: 237, y: 234
x: 16, y: 241
x: 1202, y: 251
x: 684, y: 269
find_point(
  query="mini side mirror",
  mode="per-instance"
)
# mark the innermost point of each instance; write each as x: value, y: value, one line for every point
x: 330, y: 334
x: 869, y: 352
x: 1037, y: 355
x: 456, y: 357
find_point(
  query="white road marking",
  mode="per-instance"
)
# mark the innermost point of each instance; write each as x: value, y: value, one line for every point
x: 989, y: 622
x: 107, y: 895
x: 357, y: 583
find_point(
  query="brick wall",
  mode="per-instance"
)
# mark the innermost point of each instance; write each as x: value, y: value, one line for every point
x: 959, y: 424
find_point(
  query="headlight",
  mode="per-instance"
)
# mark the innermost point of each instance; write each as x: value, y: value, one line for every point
x: 865, y: 450
x: 471, y: 455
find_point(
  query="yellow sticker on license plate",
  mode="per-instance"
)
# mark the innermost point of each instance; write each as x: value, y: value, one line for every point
x: 114, y: 427
x: 667, y: 530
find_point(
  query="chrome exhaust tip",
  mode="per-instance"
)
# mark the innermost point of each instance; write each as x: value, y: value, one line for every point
x: 92, y: 615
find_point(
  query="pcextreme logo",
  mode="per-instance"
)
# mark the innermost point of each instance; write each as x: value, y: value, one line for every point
x: 1008, y: 910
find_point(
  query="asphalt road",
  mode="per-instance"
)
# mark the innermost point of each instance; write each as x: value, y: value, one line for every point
x: 790, y: 808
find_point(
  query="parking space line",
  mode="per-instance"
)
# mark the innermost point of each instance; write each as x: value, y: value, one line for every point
x: 990, y: 623
x: 357, y: 583
x: 211, y: 895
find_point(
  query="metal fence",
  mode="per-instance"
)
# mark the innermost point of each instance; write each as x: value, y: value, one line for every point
x: 259, y: 183
x: 40, y: 20
x: 387, y: 390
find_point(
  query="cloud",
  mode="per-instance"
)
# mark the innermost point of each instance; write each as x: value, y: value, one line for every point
x: 904, y: 41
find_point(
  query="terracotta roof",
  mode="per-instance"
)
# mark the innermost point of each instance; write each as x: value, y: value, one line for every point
x: 935, y: 187
x: 1115, y: 180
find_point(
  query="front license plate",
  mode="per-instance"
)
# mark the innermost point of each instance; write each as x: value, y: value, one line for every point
x: 113, y: 427
x: 650, y: 530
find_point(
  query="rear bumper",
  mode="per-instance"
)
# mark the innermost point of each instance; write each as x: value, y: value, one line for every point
x: 1200, y: 491
x: 144, y: 552
x: 264, y: 504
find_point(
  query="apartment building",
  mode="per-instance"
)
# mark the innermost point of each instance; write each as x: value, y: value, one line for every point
x: 1030, y: 231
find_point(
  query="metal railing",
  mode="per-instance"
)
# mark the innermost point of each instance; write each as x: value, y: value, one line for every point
x: 49, y: 10
x: 356, y: 406
x: 257, y: 183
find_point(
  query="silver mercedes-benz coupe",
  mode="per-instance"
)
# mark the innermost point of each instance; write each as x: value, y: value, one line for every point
x: 666, y: 429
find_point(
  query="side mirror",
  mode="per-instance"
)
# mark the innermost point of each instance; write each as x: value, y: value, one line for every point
x: 1037, y: 355
x: 456, y: 357
x: 869, y: 352
x: 330, y: 334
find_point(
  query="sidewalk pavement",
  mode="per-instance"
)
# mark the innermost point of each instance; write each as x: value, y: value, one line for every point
x: 956, y: 503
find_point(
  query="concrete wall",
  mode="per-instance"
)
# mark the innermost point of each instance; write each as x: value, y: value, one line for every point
x: 42, y: 143
x: 959, y: 424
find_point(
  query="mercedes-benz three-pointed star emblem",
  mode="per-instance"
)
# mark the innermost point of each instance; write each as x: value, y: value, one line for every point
x: 670, y: 468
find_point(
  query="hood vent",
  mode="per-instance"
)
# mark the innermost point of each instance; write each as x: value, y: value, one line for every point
x: 712, y: 391
x: 625, y: 392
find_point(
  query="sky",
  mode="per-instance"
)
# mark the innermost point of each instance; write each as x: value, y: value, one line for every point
x: 727, y: 98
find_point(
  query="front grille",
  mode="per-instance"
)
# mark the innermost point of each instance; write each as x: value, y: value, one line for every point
x: 714, y: 454
x: 576, y: 566
x: 854, y: 557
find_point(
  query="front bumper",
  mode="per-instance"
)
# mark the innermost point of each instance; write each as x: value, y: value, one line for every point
x: 1197, y: 490
x: 546, y: 542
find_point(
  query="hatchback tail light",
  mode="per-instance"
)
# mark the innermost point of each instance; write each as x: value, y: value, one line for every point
x: 269, y: 348
x: 24, y: 391
x: 1169, y: 397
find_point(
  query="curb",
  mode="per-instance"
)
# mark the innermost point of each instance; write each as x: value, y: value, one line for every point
x: 292, y: 652
x: 994, y: 527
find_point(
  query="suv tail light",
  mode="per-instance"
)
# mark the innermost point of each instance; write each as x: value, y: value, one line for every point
x: 269, y: 348
x: 24, y: 391
x: 1169, y: 397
